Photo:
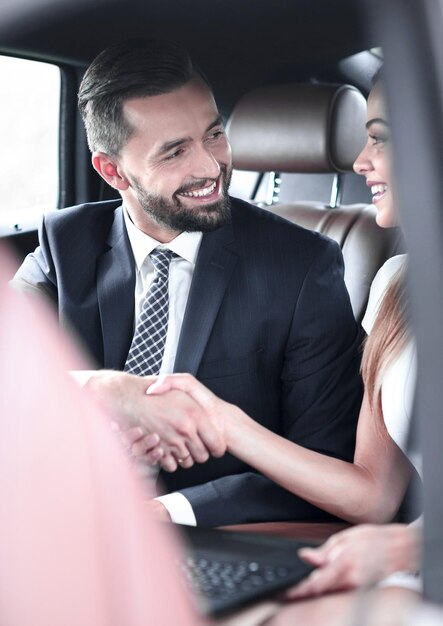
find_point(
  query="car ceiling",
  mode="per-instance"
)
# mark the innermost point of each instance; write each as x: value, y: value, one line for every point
x: 238, y: 43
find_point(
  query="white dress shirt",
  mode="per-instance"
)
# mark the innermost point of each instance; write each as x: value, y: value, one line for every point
x: 186, y: 246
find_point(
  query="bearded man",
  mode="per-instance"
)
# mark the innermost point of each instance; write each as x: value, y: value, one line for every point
x: 178, y: 276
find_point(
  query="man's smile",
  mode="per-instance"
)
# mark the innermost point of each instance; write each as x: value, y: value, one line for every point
x: 198, y: 193
x: 208, y: 193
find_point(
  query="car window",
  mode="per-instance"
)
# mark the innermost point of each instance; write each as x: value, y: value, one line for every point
x: 29, y: 126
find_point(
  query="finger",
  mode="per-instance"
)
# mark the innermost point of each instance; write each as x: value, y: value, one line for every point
x: 131, y: 435
x: 163, y: 383
x: 304, y: 589
x: 186, y: 463
x: 144, y: 445
x: 153, y: 456
x: 212, y: 438
x: 317, y: 583
x: 178, y: 449
x: 322, y: 553
x: 168, y: 463
x: 184, y: 456
x: 332, y: 577
x: 329, y: 575
x: 150, y: 380
x: 197, y: 450
x: 314, y: 556
x: 188, y: 384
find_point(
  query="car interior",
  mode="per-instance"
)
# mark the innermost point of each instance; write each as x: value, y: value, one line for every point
x: 290, y: 79
x: 294, y: 112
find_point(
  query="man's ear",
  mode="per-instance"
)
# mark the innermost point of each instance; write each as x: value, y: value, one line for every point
x: 109, y: 171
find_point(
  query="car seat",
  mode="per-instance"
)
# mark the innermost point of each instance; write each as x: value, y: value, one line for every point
x: 315, y: 129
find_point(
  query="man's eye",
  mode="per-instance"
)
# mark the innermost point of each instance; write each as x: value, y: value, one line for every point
x: 216, y: 134
x: 174, y: 155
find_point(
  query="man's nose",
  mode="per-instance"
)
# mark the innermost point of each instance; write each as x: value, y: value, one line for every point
x: 205, y: 164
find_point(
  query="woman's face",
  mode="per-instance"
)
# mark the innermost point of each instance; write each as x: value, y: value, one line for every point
x: 374, y: 161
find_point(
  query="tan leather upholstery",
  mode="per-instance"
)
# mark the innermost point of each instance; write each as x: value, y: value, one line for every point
x: 314, y: 129
x: 365, y: 245
x: 320, y: 128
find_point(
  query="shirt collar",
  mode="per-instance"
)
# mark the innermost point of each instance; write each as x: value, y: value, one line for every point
x: 186, y: 245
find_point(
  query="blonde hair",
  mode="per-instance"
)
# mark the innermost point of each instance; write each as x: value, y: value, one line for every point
x: 386, y: 340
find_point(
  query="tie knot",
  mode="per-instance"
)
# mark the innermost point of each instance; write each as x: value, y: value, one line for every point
x: 161, y: 260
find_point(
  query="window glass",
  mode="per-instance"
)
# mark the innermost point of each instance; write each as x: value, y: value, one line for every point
x: 29, y: 131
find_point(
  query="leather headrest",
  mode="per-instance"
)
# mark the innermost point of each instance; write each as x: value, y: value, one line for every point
x: 298, y: 128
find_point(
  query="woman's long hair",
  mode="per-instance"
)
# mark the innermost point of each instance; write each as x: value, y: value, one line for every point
x: 386, y: 340
x: 390, y: 331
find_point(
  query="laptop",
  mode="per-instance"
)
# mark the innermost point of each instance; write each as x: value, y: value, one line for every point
x: 227, y: 570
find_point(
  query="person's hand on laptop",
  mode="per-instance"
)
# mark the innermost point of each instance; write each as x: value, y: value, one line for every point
x: 357, y: 557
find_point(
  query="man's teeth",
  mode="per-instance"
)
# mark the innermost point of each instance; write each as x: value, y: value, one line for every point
x: 378, y: 189
x: 199, y: 193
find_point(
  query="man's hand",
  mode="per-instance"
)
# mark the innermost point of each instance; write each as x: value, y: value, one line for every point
x: 149, y: 450
x: 185, y: 431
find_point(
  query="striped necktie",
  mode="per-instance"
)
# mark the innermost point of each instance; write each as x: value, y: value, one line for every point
x: 146, y: 352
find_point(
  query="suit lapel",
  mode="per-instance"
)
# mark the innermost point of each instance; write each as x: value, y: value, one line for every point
x: 115, y: 293
x: 213, y: 271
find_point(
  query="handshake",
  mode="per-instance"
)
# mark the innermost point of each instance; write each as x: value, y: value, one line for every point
x: 171, y: 420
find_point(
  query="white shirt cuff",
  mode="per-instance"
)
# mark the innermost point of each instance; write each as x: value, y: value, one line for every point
x: 407, y: 580
x: 81, y: 376
x: 179, y: 508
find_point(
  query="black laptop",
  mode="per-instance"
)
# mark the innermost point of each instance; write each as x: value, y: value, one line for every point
x: 227, y: 570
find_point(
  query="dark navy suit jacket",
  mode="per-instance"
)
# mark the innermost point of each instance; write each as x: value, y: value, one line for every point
x: 268, y: 326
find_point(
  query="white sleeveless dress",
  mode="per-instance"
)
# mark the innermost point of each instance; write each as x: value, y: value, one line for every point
x: 397, y: 392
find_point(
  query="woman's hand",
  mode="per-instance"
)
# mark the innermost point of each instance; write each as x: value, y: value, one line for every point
x: 228, y: 418
x: 207, y: 400
x: 216, y: 417
x: 359, y: 557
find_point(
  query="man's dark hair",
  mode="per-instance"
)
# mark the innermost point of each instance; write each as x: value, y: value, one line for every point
x: 129, y: 69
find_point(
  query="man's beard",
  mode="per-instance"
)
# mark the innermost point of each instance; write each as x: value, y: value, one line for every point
x: 176, y: 216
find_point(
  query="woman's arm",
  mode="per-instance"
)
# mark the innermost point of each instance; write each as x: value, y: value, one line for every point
x: 368, y: 490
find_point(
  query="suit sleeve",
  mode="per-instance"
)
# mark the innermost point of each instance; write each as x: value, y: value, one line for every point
x: 37, y: 274
x: 321, y: 393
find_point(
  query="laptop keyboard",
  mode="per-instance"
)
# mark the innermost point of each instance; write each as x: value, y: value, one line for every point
x: 219, y: 580
x: 225, y: 570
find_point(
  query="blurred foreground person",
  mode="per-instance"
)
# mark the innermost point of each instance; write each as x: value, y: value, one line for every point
x: 77, y: 546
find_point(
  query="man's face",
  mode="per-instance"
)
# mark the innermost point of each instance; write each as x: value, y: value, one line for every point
x: 177, y: 161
